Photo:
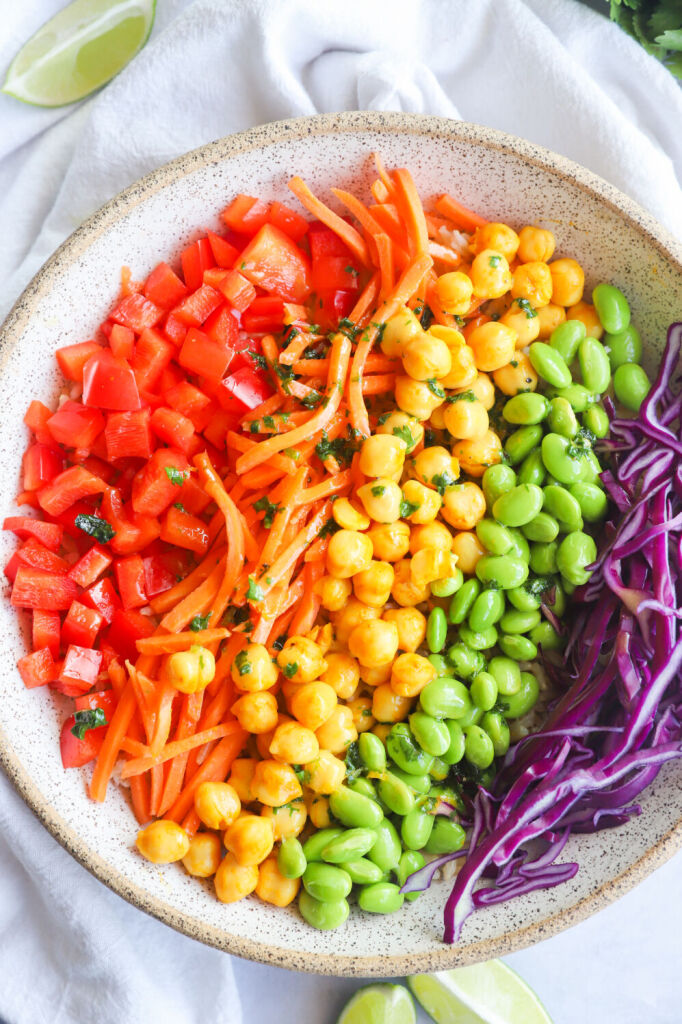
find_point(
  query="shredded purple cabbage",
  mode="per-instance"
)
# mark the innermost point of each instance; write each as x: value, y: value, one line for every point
x: 619, y: 718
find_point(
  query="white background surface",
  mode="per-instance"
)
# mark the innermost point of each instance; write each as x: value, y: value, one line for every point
x: 549, y: 70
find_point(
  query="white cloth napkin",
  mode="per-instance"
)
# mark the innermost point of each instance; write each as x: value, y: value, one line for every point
x: 549, y: 70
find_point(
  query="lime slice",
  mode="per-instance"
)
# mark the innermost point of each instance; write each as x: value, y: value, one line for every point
x: 79, y: 50
x: 489, y: 993
x: 379, y: 1004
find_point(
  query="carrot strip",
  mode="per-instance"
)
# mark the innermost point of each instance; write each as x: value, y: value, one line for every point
x: 296, y: 347
x: 297, y: 547
x: 280, y: 627
x: 305, y: 616
x: 196, y: 603
x: 332, y: 485
x: 234, y: 529
x: 463, y: 218
x: 169, y: 598
x: 378, y: 385
x: 187, y: 724
x: 109, y: 751
x: 164, y: 718
x: 281, y: 422
x: 138, y: 765
x: 247, y: 446
x: 412, y: 212
x: 214, y: 769
x: 261, y: 476
x: 145, y: 695
x: 368, y: 298
x: 376, y: 363
x: 348, y: 235
x: 117, y: 676
x: 266, y: 408
x: 214, y: 713
x: 384, y: 176
x: 317, y: 550
x: 385, y: 253
x: 179, y: 641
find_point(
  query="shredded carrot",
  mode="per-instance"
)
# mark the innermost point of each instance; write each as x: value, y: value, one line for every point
x: 234, y: 529
x: 332, y: 485
x: 214, y: 769
x: 348, y: 235
x: 266, y: 408
x: 384, y: 176
x: 169, y: 598
x: 368, y: 297
x: 463, y: 218
x: 198, y: 602
x: 378, y: 385
x: 167, y: 644
x: 142, y: 764
x: 412, y: 212
x: 109, y: 751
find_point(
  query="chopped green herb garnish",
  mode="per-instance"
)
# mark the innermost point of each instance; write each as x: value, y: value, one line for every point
x: 254, y: 427
x: 463, y: 396
x: 494, y: 261
x: 179, y: 506
x: 269, y: 422
x: 86, y: 720
x: 330, y: 527
x: 351, y: 270
x: 95, y: 527
x: 378, y: 490
x: 435, y: 388
x: 581, y: 445
x: 199, y: 622
x: 312, y: 399
x: 408, y: 507
x: 525, y: 305
x: 176, y: 476
x: 341, y: 448
x: 355, y: 766
x: 269, y: 507
x: 406, y: 435
x: 442, y: 481
x: 290, y: 669
x: 254, y: 592
x: 258, y: 360
x: 243, y: 664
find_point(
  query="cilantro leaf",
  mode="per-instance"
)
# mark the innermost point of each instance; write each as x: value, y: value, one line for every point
x: 312, y: 399
x: 378, y: 490
x: 341, y: 448
x: 435, y: 387
x: 176, y: 476
x: 525, y: 305
x: 442, y: 481
x: 254, y: 592
x: 95, y: 527
x: 269, y: 507
x: 463, y: 396
x: 354, y: 764
x: 290, y: 669
x: 243, y: 664
x: 408, y: 507
x: 199, y: 622
x: 86, y: 720
x: 494, y: 261
x: 405, y: 434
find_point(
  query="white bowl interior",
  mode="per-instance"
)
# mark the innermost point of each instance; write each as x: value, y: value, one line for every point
x: 151, y: 222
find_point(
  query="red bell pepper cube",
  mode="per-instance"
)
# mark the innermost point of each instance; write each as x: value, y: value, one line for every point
x: 35, y: 588
x: 273, y: 262
x: 224, y: 253
x: 334, y: 273
x: 72, y: 358
x: 81, y: 625
x: 334, y: 306
x: 185, y: 530
x: 191, y: 402
x: 128, y: 435
x: 67, y: 520
x: 122, y: 341
x: 198, y: 306
x: 288, y: 221
x: 222, y: 327
x: 174, y: 329
x: 126, y: 628
x: 36, y: 419
x: 41, y: 464
x: 70, y: 486
x: 152, y: 355
x: 216, y: 432
x: 81, y: 667
x: 75, y: 752
x: 157, y: 576
x: 171, y: 376
x: 325, y: 242
x: 46, y: 631
x: 109, y: 383
x: 49, y: 534
x: 243, y: 390
x: 75, y: 425
x: 193, y: 497
x: 264, y: 315
x: 90, y: 566
x: 203, y: 357
x: 137, y: 312
x: 164, y: 288
x: 37, y: 669
x: 34, y: 555
x: 12, y: 567
x: 237, y: 291
x: 173, y: 428
x: 106, y: 700
x: 130, y: 580
x: 195, y: 259
x: 103, y: 598
x: 245, y: 214
x: 158, y: 483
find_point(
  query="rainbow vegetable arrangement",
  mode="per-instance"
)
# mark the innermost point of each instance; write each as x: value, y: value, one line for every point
x: 317, y: 525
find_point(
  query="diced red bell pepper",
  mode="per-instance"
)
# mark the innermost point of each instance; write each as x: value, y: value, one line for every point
x: 35, y: 588
x: 46, y: 631
x: 109, y: 383
x: 36, y: 556
x: 335, y: 273
x: 74, y: 483
x: 12, y: 567
x: 27, y: 498
x: 245, y: 214
x: 40, y: 465
x: 264, y: 315
x: 216, y: 432
x: 222, y: 327
x: 237, y: 291
x: 37, y: 669
x: 198, y: 306
x: 288, y: 221
x: 273, y: 262
x: 128, y: 435
x: 173, y: 428
x: 153, y: 488
x: 243, y: 390
x: 104, y: 699
x: 75, y: 425
x: 137, y: 312
x: 157, y: 576
x: 175, y: 330
x: 171, y: 376
x: 152, y: 355
x: 74, y: 752
x: 90, y: 566
x: 325, y: 242
x: 122, y: 341
x: 195, y: 259
x: 72, y: 358
x: 164, y: 288
x: 67, y: 520
x: 103, y: 598
x: 224, y: 254
x: 49, y: 534
x: 126, y: 628
x: 81, y: 625
x: 334, y: 306
x: 203, y: 357
x: 193, y: 497
x: 191, y: 402
x: 185, y: 530
x: 130, y: 579
x: 133, y: 531
x: 81, y: 667
x: 95, y: 465
x: 36, y: 419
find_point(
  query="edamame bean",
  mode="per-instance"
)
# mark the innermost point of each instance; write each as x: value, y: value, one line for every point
x: 460, y: 606
x: 612, y: 307
x: 555, y: 599
x: 494, y: 537
x: 380, y: 898
x: 532, y: 469
x: 543, y: 558
x: 364, y: 786
x: 448, y: 795
x: 518, y: 506
x: 544, y: 635
x: 396, y: 794
x: 465, y: 661
x: 560, y: 460
x: 419, y: 783
x: 518, y: 647
x: 291, y: 858
x: 577, y: 395
x: 445, y: 697
x: 519, y: 704
x: 520, y: 548
x: 506, y: 674
x: 323, y: 916
x: 498, y: 730
x: 561, y: 419
x: 496, y: 480
x: 596, y: 420
x: 524, y: 599
x: 386, y: 850
x: 521, y: 443
x: 430, y: 733
x: 487, y: 609
x: 372, y: 751
x: 478, y: 640
x: 566, y: 337
x: 472, y: 717
x: 354, y: 809
x: 623, y: 346
x: 526, y: 408
x: 439, y: 662
x: 515, y: 621
x: 455, y: 751
x: 439, y: 770
x: 449, y: 585
x: 505, y: 571
x: 549, y: 364
x: 592, y: 500
x: 631, y: 385
x: 436, y: 630
x: 564, y: 506
x: 595, y: 368
x: 576, y: 551
x: 326, y: 883
x: 447, y: 836
x: 362, y: 871
x: 483, y: 691
x: 315, y: 844
x: 543, y: 528
x: 402, y: 748
x: 478, y: 747
x: 410, y: 862
x: 415, y: 829
x: 351, y: 844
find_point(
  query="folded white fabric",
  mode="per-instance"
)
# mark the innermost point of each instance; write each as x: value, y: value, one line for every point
x: 549, y: 70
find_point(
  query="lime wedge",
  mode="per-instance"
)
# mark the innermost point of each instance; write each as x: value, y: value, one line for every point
x: 79, y: 50
x: 379, y: 1004
x: 489, y: 993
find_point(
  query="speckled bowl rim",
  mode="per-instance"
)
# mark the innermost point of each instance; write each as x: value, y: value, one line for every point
x: 10, y: 334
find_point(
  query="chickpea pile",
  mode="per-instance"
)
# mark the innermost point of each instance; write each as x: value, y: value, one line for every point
x: 407, y: 544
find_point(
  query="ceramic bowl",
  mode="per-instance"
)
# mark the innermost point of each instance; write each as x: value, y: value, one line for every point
x: 504, y: 178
